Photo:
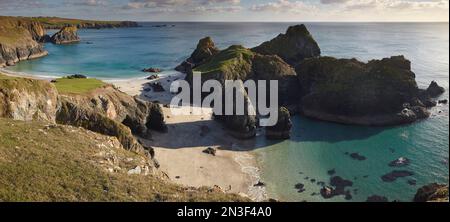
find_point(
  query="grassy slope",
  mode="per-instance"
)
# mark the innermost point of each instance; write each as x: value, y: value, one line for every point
x: 61, y: 164
x: 77, y: 86
x: 225, y: 58
x: 10, y: 34
x: 55, y: 21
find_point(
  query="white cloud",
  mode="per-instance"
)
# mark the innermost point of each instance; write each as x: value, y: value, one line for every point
x: 284, y: 6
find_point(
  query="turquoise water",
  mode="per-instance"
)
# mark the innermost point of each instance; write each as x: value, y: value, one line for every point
x: 315, y: 147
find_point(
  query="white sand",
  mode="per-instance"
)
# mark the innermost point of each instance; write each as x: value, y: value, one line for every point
x: 180, y: 151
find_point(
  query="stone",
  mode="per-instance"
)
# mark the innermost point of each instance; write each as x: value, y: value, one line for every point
x: 210, y: 151
x: 66, y: 35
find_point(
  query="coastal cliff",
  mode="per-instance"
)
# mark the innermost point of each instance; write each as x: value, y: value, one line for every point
x: 432, y: 193
x: 20, y: 40
x: 59, y: 23
x: 74, y: 125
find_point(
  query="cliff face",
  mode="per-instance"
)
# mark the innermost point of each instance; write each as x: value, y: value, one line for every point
x: 59, y: 23
x: 19, y: 40
x: 27, y: 99
x: 380, y: 92
x: 105, y: 110
x: 66, y: 35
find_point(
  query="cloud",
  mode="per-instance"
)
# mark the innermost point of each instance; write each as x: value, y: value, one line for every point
x: 283, y: 6
x: 189, y: 4
x: 333, y: 1
x: 91, y: 3
x: 396, y: 4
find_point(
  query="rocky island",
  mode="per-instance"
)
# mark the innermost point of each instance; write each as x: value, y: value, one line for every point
x: 377, y: 93
x: 66, y: 35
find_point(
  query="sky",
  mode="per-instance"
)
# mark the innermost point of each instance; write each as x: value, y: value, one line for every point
x: 234, y: 10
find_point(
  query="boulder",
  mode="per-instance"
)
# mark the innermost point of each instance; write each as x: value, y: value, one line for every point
x: 153, y: 77
x: 293, y: 47
x: 282, y: 130
x: 153, y: 70
x: 66, y: 35
x: 432, y: 193
x: 210, y: 151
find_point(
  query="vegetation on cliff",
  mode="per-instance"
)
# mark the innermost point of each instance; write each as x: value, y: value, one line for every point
x: 77, y: 85
x: 58, y: 23
x: 380, y: 92
x: 19, y: 40
x: 48, y: 162
x: 432, y: 193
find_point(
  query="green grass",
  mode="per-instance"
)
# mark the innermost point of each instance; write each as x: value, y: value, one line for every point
x: 225, y: 58
x: 61, y: 163
x: 77, y: 86
x: 61, y: 22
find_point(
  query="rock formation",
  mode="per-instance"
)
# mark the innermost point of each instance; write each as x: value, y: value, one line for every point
x: 380, y: 92
x: 66, y: 35
x: 282, y: 130
x: 432, y: 193
x: 19, y: 40
x: 294, y: 46
x: 105, y: 110
x: 27, y: 99
x: 205, y: 50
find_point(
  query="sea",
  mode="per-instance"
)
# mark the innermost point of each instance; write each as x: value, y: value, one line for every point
x: 317, y: 149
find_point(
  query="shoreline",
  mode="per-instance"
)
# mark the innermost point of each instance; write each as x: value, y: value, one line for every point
x: 180, y: 151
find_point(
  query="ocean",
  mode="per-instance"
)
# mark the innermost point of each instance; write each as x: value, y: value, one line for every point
x: 316, y: 147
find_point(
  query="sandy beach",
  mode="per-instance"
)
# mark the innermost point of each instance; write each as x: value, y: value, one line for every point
x: 180, y: 151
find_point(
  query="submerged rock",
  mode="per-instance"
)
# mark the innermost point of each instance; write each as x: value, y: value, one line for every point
x: 432, y: 193
x: 376, y: 198
x: 394, y: 175
x: 357, y: 156
x: 66, y: 35
x: 294, y: 46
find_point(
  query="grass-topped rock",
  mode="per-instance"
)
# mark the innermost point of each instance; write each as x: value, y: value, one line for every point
x: 380, y: 92
x: 71, y: 85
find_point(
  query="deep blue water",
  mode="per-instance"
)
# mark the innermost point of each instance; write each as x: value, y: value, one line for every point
x: 316, y: 147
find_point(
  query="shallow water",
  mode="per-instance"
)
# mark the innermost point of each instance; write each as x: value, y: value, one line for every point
x: 315, y: 147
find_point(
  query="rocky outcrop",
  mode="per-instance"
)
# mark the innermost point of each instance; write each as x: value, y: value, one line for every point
x: 66, y: 35
x: 27, y: 99
x: 70, y: 113
x: 282, y: 130
x: 19, y: 40
x: 380, y: 92
x: 432, y: 193
x: 294, y: 46
x: 138, y: 115
x: 205, y: 50
x: 434, y: 89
